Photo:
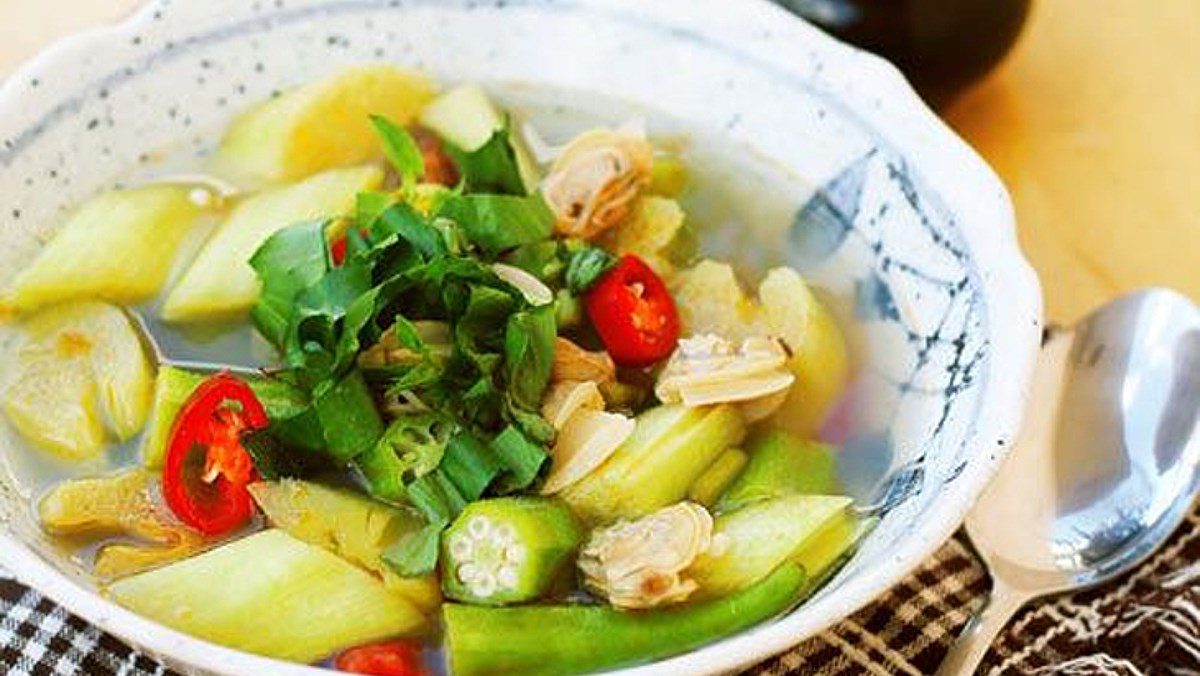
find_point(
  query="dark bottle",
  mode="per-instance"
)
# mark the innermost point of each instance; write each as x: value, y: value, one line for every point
x: 941, y: 45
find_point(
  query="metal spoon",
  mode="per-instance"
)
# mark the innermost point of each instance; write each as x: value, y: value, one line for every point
x: 1105, y: 468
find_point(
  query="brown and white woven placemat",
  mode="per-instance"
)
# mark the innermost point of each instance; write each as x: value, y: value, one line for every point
x: 1148, y: 622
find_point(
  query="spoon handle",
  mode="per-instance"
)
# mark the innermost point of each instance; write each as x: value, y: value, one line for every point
x: 973, y: 643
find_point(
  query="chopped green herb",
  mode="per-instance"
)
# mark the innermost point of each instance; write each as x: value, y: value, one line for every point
x: 585, y: 267
x: 492, y: 168
x: 400, y: 148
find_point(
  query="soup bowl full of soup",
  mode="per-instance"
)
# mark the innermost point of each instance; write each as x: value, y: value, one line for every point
x: 473, y: 337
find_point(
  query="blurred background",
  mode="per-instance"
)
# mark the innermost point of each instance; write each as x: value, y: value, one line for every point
x: 1088, y: 109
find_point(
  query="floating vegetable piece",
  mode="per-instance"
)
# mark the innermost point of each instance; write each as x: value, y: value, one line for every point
x: 587, y: 439
x: 707, y: 369
x: 783, y: 464
x: 592, y: 185
x: 573, y: 363
x: 725, y: 469
x: 348, y: 524
x: 438, y: 166
x: 388, y: 351
x: 123, y: 504
x: 671, y: 446
x: 220, y: 283
x: 668, y: 177
x: 641, y: 564
x: 390, y: 658
x: 273, y: 595
x: 80, y: 369
x: 634, y: 314
x: 565, y: 397
x: 819, y: 358
x: 118, y: 247
x: 561, y: 640
x: 173, y: 386
x: 467, y: 118
x: 648, y: 232
x: 321, y: 125
x: 411, y: 447
x: 507, y: 550
x: 535, y: 292
x: 710, y: 300
x: 207, y: 470
x: 753, y: 541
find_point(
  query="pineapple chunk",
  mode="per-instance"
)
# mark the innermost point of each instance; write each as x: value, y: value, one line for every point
x: 350, y: 525
x: 81, y: 369
x: 320, y: 125
x: 272, y: 595
x: 710, y: 300
x: 220, y: 284
x: 648, y: 232
x: 124, y: 504
x: 819, y: 357
x: 117, y: 247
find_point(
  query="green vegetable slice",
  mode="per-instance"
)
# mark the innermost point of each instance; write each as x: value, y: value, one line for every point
x: 782, y: 464
x: 274, y: 595
x: 507, y: 550
x: 549, y: 640
x: 497, y: 223
x: 763, y: 535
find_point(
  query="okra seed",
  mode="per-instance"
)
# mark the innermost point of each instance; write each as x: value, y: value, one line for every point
x: 515, y: 555
x: 461, y: 547
x: 479, y: 526
x: 507, y: 577
x: 484, y: 585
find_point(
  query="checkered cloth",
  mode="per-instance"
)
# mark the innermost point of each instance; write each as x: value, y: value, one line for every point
x: 1148, y: 622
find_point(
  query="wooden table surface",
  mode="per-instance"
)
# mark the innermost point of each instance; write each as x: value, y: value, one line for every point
x: 1093, y: 122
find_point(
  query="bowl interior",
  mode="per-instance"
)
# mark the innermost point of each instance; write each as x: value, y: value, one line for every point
x: 868, y: 197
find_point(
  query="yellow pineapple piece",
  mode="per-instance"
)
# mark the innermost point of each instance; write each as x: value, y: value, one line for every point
x: 647, y: 232
x: 819, y: 357
x: 710, y: 300
x: 81, y: 376
x: 117, y: 247
x: 220, y: 284
x: 320, y: 125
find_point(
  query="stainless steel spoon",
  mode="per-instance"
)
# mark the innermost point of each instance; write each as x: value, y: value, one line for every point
x: 1105, y: 468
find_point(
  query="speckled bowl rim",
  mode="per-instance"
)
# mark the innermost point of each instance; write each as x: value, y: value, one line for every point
x: 1014, y: 319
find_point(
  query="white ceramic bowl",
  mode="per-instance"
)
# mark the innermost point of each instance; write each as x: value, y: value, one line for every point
x: 896, y: 218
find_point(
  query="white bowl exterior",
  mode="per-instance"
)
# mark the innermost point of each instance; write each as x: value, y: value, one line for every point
x: 80, y: 115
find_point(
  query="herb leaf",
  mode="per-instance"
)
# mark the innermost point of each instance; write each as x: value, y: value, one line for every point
x: 529, y: 354
x: 400, y: 148
x: 496, y: 223
x: 586, y: 267
x: 289, y: 262
x: 492, y: 168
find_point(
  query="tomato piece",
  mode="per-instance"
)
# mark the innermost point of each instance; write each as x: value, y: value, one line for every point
x: 634, y: 314
x: 337, y: 251
x: 439, y: 166
x: 207, y: 469
x: 391, y: 658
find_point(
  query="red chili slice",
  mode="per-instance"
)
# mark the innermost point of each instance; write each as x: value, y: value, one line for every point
x: 207, y: 469
x: 337, y: 251
x: 634, y: 314
x: 392, y: 658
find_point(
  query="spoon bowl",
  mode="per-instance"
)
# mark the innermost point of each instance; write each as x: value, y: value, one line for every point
x: 1105, y: 468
